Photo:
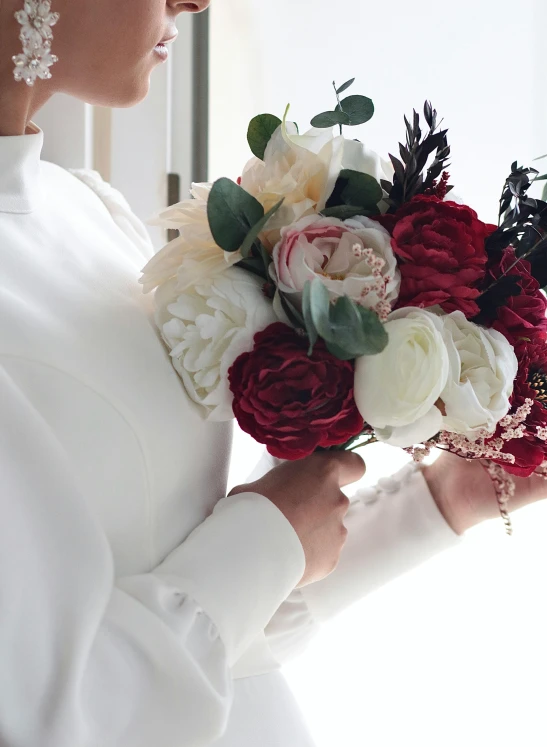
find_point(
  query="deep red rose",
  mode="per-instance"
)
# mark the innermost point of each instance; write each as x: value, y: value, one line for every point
x: 529, y: 451
x: 289, y: 401
x: 523, y: 318
x: 441, y: 252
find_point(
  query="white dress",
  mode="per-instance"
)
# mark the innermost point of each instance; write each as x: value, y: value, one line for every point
x: 139, y: 607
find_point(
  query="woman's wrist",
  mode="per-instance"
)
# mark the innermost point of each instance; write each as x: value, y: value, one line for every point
x: 448, y: 480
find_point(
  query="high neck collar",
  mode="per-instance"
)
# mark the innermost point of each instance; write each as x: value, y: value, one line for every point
x: 20, y: 171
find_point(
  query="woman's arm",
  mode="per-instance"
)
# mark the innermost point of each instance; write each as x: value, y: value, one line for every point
x: 392, y: 528
x: 86, y: 659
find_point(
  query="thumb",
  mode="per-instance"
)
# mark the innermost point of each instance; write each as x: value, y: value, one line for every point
x: 352, y: 467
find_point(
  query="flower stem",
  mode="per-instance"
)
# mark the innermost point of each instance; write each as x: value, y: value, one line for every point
x: 371, y: 440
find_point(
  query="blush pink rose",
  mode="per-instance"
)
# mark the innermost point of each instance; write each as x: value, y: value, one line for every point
x: 342, y: 254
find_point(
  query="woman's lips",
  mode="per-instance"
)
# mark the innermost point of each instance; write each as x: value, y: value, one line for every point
x: 161, y: 50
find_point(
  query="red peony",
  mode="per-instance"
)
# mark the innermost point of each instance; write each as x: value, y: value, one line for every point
x: 289, y: 401
x: 523, y: 318
x: 441, y: 252
x: 529, y: 451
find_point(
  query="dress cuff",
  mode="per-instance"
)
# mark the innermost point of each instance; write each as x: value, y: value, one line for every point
x: 239, y: 565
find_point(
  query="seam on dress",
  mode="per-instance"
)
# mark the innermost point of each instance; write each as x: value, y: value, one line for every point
x: 125, y: 418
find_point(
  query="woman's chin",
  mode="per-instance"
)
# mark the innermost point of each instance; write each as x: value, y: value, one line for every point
x: 121, y: 96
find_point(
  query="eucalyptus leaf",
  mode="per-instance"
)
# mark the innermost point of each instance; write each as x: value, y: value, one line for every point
x: 319, y: 306
x: 255, y: 266
x: 260, y: 132
x: 355, y: 330
x: 330, y: 119
x: 308, y: 316
x: 348, y: 329
x: 232, y: 212
x: 360, y: 109
x: 343, y: 212
x: 356, y: 188
x: 264, y: 255
x: 257, y: 229
x: 345, y: 86
x: 295, y: 317
x: 339, y: 352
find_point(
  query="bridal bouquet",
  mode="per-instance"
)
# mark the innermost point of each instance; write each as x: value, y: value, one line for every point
x: 329, y: 298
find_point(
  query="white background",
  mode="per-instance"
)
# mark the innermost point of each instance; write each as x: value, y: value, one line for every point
x: 454, y: 653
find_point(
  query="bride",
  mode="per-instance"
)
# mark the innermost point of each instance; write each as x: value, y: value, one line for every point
x: 140, y: 606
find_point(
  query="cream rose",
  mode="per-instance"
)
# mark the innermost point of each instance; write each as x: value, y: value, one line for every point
x: 302, y: 170
x: 483, y: 367
x: 193, y: 255
x: 397, y: 391
x: 352, y: 257
x: 209, y: 325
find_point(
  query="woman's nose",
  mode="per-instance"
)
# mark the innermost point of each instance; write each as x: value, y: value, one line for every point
x: 188, y: 7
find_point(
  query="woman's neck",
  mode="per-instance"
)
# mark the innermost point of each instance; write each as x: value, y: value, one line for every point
x: 19, y: 103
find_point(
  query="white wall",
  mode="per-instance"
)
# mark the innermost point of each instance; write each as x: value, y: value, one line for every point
x: 453, y: 654
x: 481, y: 63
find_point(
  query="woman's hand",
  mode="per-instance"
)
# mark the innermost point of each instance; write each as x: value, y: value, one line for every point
x: 465, y: 495
x: 308, y: 492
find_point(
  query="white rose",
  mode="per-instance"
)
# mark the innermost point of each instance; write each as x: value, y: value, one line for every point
x: 302, y: 170
x: 483, y: 367
x: 334, y: 251
x: 207, y: 327
x: 396, y: 391
x: 193, y: 254
x: 358, y: 157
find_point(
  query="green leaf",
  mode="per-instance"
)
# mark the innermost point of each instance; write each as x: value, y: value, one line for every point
x: 339, y: 352
x: 255, y: 266
x: 343, y: 212
x: 308, y: 316
x: 232, y: 212
x: 257, y: 229
x: 260, y: 132
x: 355, y: 188
x: 357, y: 331
x: 292, y: 312
x: 330, y: 119
x: 348, y: 329
x: 320, y: 309
x: 360, y: 109
x: 345, y: 86
x: 264, y: 255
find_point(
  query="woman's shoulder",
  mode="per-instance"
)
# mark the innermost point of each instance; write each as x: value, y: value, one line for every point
x: 111, y: 199
x: 118, y: 207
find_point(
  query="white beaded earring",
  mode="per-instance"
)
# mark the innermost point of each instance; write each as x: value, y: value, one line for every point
x: 36, y: 20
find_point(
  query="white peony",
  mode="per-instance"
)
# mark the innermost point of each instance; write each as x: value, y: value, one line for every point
x: 483, y: 367
x: 193, y: 254
x: 208, y: 326
x: 396, y: 391
x: 302, y: 170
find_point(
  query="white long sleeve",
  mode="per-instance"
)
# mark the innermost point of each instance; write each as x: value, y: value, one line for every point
x: 392, y: 528
x: 86, y: 660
